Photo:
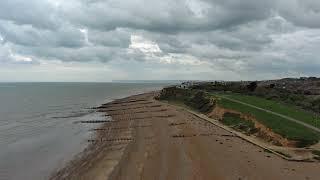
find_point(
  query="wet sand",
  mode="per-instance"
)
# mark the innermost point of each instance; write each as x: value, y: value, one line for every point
x: 148, y: 139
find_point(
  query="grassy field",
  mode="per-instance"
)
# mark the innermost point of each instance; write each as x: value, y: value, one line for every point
x: 287, y: 110
x: 284, y: 127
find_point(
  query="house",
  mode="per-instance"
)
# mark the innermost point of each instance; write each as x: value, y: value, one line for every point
x: 187, y: 84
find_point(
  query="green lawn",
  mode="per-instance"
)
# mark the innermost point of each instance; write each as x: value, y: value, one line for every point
x: 283, y: 109
x: 278, y: 124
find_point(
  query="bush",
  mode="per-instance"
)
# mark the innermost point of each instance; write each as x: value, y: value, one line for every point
x: 305, y: 143
x: 169, y: 93
x: 261, y: 91
x: 236, y: 122
x: 316, y: 152
x: 271, y: 86
x: 201, y: 102
x: 252, y: 86
x: 195, y: 99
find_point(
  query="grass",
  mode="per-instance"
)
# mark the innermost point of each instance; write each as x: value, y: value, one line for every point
x: 279, y: 125
x: 234, y: 121
x: 287, y: 110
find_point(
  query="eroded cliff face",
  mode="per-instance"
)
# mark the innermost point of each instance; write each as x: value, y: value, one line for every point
x: 263, y: 132
x: 197, y: 100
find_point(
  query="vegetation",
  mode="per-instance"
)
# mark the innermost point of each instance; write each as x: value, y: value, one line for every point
x: 279, y: 125
x: 236, y: 122
x: 288, y: 110
x: 306, y: 102
x: 317, y: 158
x: 316, y: 152
x: 201, y: 102
x: 302, y: 99
x: 252, y: 86
x: 197, y: 100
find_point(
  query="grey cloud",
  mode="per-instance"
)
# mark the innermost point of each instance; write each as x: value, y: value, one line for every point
x: 167, y: 16
x: 7, y: 57
x: 117, y: 38
x: 84, y: 54
x: 305, y: 13
x: 243, y: 37
x: 253, y: 36
x: 38, y: 13
x: 27, y: 35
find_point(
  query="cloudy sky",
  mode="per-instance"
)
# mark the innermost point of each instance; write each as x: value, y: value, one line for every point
x: 104, y: 40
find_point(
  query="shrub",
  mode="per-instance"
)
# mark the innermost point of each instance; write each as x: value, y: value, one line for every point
x: 271, y: 86
x: 195, y: 99
x: 236, y: 122
x: 252, y: 86
x: 201, y: 102
x: 305, y: 143
x: 316, y: 152
x: 174, y: 93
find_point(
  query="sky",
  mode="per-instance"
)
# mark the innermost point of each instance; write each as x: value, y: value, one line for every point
x: 105, y: 40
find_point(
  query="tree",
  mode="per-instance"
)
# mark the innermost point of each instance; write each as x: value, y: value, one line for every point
x: 252, y: 86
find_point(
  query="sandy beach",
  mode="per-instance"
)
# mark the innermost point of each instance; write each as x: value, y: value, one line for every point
x: 148, y: 139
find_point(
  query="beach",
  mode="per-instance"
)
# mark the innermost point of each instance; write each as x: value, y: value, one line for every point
x: 148, y: 139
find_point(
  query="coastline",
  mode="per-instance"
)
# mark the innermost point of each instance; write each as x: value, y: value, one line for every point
x: 148, y: 139
x: 101, y: 145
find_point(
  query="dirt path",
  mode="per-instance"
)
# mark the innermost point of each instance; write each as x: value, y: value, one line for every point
x: 274, y: 113
x: 152, y: 140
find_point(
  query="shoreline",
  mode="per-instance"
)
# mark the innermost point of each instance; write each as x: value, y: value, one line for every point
x: 148, y: 139
x: 87, y: 156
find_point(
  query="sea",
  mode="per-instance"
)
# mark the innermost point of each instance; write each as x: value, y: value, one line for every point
x: 39, y: 132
